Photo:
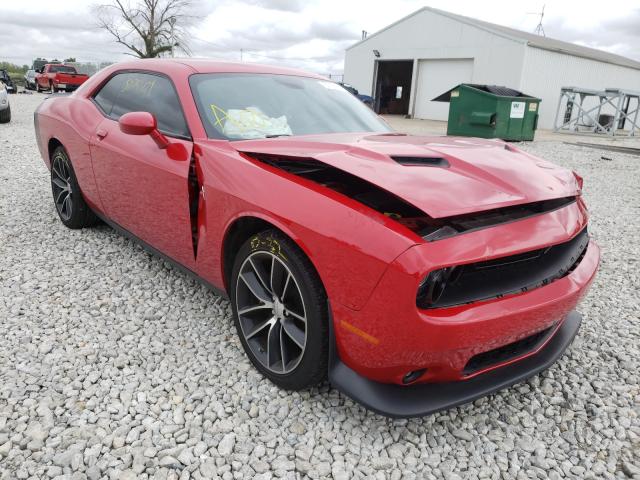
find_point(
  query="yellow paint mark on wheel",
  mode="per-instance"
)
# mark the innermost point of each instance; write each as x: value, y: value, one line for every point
x: 270, y: 244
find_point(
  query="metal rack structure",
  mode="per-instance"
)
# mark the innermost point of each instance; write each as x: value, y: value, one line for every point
x: 578, y: 118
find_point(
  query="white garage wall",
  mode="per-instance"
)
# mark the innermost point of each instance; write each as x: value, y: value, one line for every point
x: 434, y: 78
x: 429, y: 35
x: 545, y: 72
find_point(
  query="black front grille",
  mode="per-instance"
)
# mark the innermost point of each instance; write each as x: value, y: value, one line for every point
x: 506, y: 352
x: 503, y: 276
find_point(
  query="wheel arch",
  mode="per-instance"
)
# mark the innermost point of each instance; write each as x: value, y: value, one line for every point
x: 241, y: 228
x: 52, y: 144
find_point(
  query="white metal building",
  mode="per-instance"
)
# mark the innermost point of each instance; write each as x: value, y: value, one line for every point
x: 410, y: 62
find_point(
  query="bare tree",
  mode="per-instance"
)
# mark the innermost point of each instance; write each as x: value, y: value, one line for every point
x: 148, y: 28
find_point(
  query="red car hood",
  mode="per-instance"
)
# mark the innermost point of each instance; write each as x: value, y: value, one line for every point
x: 481, y: 175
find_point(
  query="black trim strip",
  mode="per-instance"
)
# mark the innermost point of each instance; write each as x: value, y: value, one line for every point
x: 126, y: 233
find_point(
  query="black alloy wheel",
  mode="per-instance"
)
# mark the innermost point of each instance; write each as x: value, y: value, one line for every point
x: 67, y: 197
x: 280, y: 311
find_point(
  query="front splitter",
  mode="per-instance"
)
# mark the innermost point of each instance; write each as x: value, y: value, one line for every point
x: 423, y: 399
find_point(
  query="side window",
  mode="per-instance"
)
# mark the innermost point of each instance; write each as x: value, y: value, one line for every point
x: 144, y: 92
x: 108, y: 94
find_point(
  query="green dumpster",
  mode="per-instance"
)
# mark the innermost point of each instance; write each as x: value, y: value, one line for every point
x: 490, y: 111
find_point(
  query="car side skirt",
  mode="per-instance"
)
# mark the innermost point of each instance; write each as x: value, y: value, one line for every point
x: 126, y: 233
x: 398, y: 401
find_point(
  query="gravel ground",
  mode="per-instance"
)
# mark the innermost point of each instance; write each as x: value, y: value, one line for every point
x: 115, y: 365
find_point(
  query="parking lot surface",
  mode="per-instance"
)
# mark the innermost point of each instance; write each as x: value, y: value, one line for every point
x: 115, y: 365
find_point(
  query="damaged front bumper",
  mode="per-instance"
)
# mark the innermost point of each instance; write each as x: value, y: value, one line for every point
x: 423, y: 399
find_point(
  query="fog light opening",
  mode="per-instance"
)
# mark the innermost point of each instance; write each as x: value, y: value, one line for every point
x: 413, y: 375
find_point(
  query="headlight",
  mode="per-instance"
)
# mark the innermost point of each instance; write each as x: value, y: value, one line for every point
x: 433, y: 286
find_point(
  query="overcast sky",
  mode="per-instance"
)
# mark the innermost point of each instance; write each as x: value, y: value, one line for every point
x: 310, y: 34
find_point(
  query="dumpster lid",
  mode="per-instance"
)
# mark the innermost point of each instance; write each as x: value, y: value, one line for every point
x: 497, y: 90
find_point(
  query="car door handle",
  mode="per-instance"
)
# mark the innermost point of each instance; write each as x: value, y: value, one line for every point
x: 101, y: 133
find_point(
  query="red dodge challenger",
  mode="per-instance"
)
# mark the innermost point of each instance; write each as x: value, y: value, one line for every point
x: 416, y: 273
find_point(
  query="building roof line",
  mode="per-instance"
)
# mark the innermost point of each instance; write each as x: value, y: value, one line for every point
x: 453, y: 16
x: 519, y: 36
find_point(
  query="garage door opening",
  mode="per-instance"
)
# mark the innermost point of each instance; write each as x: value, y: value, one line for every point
x: 439, y: 75
x: 393, y: 86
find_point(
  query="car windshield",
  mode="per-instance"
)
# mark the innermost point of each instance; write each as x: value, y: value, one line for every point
x: 62, y: 69
x: 242, y: 106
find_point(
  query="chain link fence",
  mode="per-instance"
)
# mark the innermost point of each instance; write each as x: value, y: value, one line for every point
x: 89, y: 68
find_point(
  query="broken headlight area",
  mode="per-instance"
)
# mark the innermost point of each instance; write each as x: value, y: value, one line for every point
x: 462, y: 284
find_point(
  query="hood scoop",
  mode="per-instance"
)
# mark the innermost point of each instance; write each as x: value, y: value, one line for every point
x: 421, y: 161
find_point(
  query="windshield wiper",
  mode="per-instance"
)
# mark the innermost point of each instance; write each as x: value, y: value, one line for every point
x: 275, y: 135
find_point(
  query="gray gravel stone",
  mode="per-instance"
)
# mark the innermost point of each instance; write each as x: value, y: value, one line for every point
x: 116, y: 364
x: 462, y: 435
x: 169, y: 461
x: 225, y: 447
x: 5, y: 448
x: 630, y: 469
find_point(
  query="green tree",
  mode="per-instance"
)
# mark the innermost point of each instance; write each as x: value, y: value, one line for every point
x: 13, y: 68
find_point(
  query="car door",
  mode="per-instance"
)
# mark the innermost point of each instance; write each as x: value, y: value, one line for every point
x: 142, y: 189
x: 41, y: 79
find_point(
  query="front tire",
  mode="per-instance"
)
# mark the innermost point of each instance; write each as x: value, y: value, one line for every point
x: 5, y: 115
x: 72, y: 209
x: 280, y: 311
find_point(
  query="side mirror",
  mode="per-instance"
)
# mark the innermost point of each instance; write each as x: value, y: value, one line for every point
x: 138, y: 123
x: 142, y: 123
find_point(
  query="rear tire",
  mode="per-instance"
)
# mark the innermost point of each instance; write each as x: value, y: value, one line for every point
x: 5, y: 115
x: 72, y: 209
x: 280, y: 311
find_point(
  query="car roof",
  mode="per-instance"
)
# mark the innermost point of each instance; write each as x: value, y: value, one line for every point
x: 204, y: 65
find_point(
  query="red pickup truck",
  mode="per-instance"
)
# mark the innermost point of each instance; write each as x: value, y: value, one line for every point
x: 57, y: 77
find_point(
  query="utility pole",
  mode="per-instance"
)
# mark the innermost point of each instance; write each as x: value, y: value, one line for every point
x: 172, y: 22
x: 241, y: 54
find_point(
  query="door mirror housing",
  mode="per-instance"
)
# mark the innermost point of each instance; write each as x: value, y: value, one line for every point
x: 142, y: 123
x: 138, y: 123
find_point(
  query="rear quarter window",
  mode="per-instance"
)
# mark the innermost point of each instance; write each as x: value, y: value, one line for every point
x: 108, y: 94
